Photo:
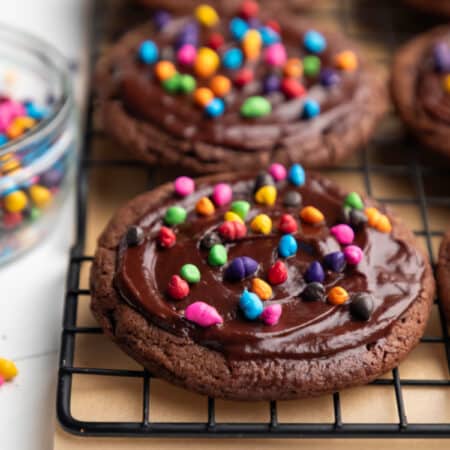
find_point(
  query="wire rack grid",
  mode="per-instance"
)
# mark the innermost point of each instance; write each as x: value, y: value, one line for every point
x: 410, y: 164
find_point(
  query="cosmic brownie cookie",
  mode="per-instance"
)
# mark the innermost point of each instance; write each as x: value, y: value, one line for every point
x: 272, y: 286
x: 421, y: 87
x: 443, y: 274
x: 213, y: 93
x: 438, y: 7
x: 186, y: 7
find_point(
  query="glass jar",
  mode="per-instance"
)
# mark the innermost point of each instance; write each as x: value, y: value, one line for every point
x: 38, y: 166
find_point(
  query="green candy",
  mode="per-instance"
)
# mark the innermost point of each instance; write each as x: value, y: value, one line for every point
x: 217, y: 255
x: 190, y: 273
x: 35, y: 213
x: 241, y: 208
x: 187, y: 83
x: 175, y: 215
x: 311, y: 65
x: 353, y: 200
x: 256, y: 107
x: 172, y: 84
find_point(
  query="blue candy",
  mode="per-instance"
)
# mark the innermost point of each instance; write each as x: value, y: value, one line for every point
x: 314, y: 41
x: 335, y: 261
x: 148, y: 52
x: 251, y: 305
x: 288, y: 246
x: 232, y: 58
x: 215, y: 107
x: 296, y: 175
x: 311, y: 108
x: 35, y: 112
x: 238, y: 28
x: 268, y: 36
x: 315, y: 273
x: 3, y: 139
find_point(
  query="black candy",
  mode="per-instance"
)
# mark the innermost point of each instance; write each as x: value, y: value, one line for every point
x: 361, y: 306
x: 134, y: 236
x: 354, y: 217
x: 313, y: 292
x: 263, y: 179
x: 209, y: 240
x: 292, y: 198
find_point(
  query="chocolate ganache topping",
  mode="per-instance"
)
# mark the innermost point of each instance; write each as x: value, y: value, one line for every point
x: 237, y: 82
x: 388, y: 275
x: 434, y: 81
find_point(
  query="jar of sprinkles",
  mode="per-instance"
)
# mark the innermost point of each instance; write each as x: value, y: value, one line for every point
x: 38, y: 139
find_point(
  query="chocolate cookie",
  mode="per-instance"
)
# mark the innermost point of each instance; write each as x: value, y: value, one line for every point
x: 438, y: 7
x: 421, y: 87
x: 260, y: 287
x: 186, y: 7
x: 443, y: 274
x: 235, y: 93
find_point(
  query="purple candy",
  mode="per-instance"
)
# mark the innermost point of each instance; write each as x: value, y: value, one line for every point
x: 52, y: 178
x: 240, y: 268
x: 314, y: 273
x: 441, y: 56
x: 188, y: 35
x: 329, y: 77
x: 335, y: 261
x: 254, y: 22
x: 271, y: 84
x: 161, y: 19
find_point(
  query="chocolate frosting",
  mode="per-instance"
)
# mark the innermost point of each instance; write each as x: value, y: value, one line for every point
x: 431, y: 95
x: 390, y: 270
x: 143, y: 96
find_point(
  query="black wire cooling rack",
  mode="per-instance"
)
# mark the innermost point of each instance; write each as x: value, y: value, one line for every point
x: 394, y: 27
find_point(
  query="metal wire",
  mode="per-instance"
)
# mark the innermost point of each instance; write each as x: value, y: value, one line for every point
x: 413, y: 169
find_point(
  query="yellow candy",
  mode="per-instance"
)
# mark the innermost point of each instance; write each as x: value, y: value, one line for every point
x: 14, y: 130
x: 165, y: 70
x: 220, y: 85
x: 206, y: 15
x: 15, y: 201
x: 25, y: 122
x: 261, y: 224
x: 231, y: 216
x: 266, y: 195
x: 262, y: 289
x: 446, y: 83
x: 10, y: 165
x: 40, y: 195
x: 202, y: 96
x: 251, y: 44
x: 311, y: 215
x: 337, y: 295
x: 293, y: 68
x: 206, y: 62
x: 205, y: 207
x: 346, y: 60
x: 8, y: 369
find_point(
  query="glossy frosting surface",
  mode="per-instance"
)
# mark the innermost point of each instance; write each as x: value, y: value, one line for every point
x: 390, y: 270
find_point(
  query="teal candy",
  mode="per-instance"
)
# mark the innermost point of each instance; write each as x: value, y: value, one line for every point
x: 288, y: 246
x: 251, y: 305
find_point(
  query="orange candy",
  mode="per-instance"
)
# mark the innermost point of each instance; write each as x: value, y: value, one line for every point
x: 262, y: 289
x: 384, y: 224
x: 14, y: 130
x: 206, y: 62
x: 293, y: 68
x: 373, y: 216
x: 346, y: 60
x: 338, y: 295
x: 220, y: 85
x: 165, y: 70
x: 311, y: 215
x: 205, y: 207
x: 202, y: 96
x: 251, y: 44
x: 446, y: 83
x: 378, y: 220
x: 25, y: 122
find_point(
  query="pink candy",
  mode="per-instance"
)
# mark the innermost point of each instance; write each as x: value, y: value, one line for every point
x: 2, y: 380
x: 343, y: 234
x: 184, y: 186
x: 203, y: 314
x: 278, y: 172
x: 275, y: 55
x: 186, y: 54
x: 222, y: 194
x: 10, y: 110
x: 271, y: 314
x: 353, y: 254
